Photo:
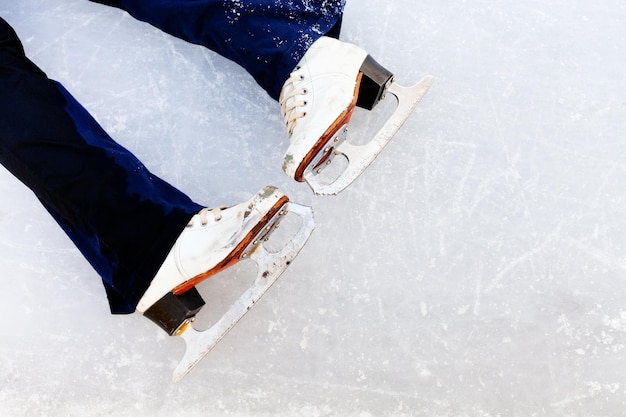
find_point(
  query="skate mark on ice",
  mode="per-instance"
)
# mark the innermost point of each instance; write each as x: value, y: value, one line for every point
x: 599, y: 255
x: 530, y: 254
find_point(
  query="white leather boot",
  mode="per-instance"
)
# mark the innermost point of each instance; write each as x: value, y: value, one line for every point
x: 317, y: 102
x: 317, y: 99
x: 214, y: 239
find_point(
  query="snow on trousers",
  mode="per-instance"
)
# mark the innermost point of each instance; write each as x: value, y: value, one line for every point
x: 266, y: 37
x: 122, y: 218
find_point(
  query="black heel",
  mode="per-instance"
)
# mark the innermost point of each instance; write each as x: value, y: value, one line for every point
x: 374, y: 82
x: 172, y: 311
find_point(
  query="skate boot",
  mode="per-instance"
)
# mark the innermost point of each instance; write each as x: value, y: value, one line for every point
x: 317, y: 102
x: 214, y: 240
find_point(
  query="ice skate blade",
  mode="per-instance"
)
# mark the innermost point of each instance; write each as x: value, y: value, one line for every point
x: 361, y: 156
x: 270, y: 266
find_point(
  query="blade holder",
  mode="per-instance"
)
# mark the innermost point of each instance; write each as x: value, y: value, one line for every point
x: 328, y: 153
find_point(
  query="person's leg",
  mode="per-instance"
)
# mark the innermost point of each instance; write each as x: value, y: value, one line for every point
x: 288, y: 47
x: 266, y: 37
x: 121, y: 217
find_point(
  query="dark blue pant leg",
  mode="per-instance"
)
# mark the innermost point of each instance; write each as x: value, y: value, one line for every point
x: 121, y: 217
x: 266, y: 37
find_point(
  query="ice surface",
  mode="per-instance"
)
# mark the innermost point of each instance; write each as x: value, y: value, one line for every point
x: 477, y: 268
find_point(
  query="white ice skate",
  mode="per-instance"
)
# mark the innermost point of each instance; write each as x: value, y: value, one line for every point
x: 214, y: 240
x: 318, y: 100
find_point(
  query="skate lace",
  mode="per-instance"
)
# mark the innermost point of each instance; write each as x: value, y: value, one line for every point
x: 292, y: 100
x: 203, y: 216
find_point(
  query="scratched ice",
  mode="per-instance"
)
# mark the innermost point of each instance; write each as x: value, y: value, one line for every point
x: 477, y: 268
